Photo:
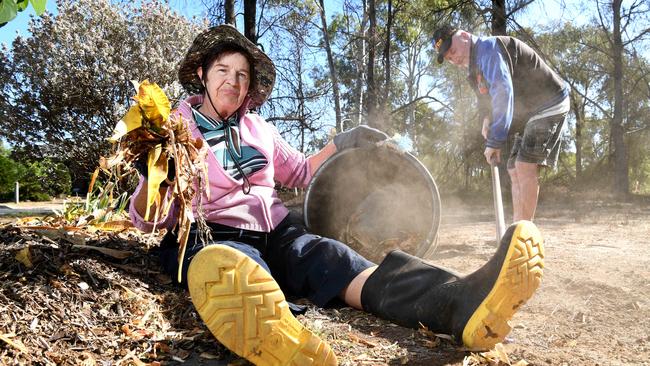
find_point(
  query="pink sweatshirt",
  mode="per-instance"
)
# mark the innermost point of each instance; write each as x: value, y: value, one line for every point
x: 261, y: 209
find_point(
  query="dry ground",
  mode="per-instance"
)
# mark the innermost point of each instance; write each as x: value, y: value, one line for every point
x: 593, y: 307
x: 78, y: 306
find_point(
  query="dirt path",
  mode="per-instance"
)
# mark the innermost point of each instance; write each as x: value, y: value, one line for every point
x: 593, y: 307
x: 28, y: 208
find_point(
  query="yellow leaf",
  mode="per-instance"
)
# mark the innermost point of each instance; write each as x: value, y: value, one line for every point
x: 93, y: 178
x: 156, y: 174
x: 25, y: 257
x: 153, y: 102
x: 183, y: 234
x: 131, y: 120
x: 115, y: 225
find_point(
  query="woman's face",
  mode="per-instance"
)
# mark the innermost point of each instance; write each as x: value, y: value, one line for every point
x: 227, y: 81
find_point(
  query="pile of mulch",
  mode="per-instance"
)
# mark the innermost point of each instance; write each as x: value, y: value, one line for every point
x: 73, y: 296
x: 76, y: 306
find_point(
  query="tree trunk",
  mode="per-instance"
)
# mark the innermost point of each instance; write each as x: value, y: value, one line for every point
x: 250, y: 16
x: 229, y: 10
x: 385, y: 103
x: 372, y: 44
x: 621, y: 174
x: 412, y: 78
x: 362, y: 41
x: 578, y: 110
x: 498, y: 17
x: 301, y: 105
x: 332, y: 66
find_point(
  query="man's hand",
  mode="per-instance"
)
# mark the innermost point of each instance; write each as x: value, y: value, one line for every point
x: 486, y: 127
x: 360, y: 136
x: 493, y: 156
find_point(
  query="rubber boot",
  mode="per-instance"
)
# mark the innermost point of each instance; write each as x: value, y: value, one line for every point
x: 474, y: 309
x: 246, y: 311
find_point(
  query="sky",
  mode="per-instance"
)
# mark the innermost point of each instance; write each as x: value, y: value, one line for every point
x: 539, y: 13
x: 19, y: 25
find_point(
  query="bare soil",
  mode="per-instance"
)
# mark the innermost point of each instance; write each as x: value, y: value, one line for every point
x: 78, y: 306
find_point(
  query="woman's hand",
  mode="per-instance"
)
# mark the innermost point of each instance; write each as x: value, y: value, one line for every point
x: 360, y: 136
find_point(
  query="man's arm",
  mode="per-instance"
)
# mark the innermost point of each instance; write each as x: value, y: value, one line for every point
x: 497, y: 74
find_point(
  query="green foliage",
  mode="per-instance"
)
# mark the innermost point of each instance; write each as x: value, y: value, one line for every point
x: 39, y: 180
x: 582, y: 56
x: 100, y: 206
x: 52, y: 177
x: 9, y: 9
x: 10, y: 172
x: 31, y: 188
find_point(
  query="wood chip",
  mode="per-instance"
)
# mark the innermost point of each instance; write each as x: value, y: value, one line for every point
x: 117, y: 254
x: 17, y: 344
x: 354, y: 338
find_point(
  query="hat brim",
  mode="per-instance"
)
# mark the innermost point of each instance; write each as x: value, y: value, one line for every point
x: 262, y: 66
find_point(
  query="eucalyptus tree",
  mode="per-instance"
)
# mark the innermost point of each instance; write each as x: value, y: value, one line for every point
x: 349, y: 40
x: 623, y: 25
x: 497, y: 14
x: 569, y: 51
x: 65, y: 86
x: 637, y: 114
x: 301, y: 102
x: 220, y: 11
x: 584, y: 58
x: 327, y: 44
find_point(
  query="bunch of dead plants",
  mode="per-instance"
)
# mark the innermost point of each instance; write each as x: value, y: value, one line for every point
x: 150, y: 131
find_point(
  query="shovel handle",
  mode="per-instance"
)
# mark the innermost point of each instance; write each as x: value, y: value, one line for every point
x: 498, y: 202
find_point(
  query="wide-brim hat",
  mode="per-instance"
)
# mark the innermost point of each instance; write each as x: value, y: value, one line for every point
x: 442, y: 40
x: 263, y: 68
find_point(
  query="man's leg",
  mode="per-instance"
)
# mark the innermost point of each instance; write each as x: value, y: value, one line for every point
x: 516, y: 194
x: 539, y: 146
x: 527, y: 190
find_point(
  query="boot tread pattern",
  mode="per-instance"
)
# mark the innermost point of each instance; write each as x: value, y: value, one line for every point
x: 520, y: 276
x: 246, y: 311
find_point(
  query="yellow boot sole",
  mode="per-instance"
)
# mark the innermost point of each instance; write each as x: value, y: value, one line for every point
x: 246, y: 311
x: 519, y: 277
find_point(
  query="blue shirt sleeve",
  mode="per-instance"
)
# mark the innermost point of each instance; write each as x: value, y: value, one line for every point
x: 497, y: 76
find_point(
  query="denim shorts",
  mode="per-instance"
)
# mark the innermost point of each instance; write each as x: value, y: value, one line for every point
x: 303, y: 264
x: 540, y: 143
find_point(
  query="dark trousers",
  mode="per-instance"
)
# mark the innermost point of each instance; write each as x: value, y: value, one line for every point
x: 303, y: 264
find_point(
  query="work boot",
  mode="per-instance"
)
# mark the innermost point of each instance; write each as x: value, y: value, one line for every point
x: 246, y: 311
x: 473, y: 309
